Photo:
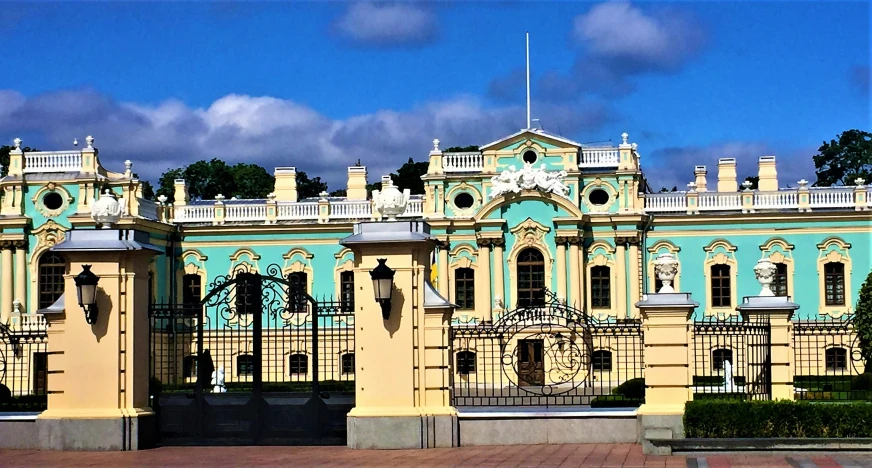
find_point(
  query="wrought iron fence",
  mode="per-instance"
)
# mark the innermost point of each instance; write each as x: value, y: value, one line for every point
x: 828, y: 363
x: 731, y: 358
x: 286, y: 347
x: 23, y: 370
x: 549, y: 355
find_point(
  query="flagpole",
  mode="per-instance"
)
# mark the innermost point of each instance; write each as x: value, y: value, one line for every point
x: 528, y: 80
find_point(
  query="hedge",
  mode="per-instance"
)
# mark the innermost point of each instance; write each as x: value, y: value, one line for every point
x: 626, y: 395
x: 783, y: 419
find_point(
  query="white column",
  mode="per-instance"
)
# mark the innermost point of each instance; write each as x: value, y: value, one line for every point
x: 499, y: 286
x: 561, y: 268
x: 21, y: 274
x: 483, y: 281
x: 574, y: 274
x: 6, y: 282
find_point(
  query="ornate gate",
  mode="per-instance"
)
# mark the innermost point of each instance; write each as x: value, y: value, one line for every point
x: 548, y: 354
x: 257, y: 361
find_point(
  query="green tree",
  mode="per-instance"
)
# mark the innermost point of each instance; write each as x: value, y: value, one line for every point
x: 339, y: 193
x: 251, y: 181
x: 307, y: 187
x: 840, y: 161
x: 206, y: 179
x: 166, y: 184
x: 863, y: 322
x: 461, y: 149
x: 755, y: 182
x: 147, y: 188
x: 408, y: 176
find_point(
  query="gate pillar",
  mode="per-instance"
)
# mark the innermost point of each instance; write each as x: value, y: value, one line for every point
x: 665, y: 328
x: 777, y: 312
x: 98, y: 373
x: 402, y: 394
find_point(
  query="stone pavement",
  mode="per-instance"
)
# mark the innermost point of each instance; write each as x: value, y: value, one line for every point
x: 593, y: 455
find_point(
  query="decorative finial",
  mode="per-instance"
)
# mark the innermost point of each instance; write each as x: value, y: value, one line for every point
x: 691, y: 187
x: 358, y: 162
x: 624, y: 137
x: 802, y: 183
x: 108, y: 209
x: 324, y: 194
x: 75, y: 142
x: 634, y: 145
x: 436, y: 145
x: 17, y: 143
x: 219, y: 198
x: 747, y: 185
x: 271, y: 196
x: 666, y: 267
x: 765, y: 271
x: 90, y: 141
x: 162, y: 199
x: 128, y: 164
x: 389, y: 201
x: 859, y: 181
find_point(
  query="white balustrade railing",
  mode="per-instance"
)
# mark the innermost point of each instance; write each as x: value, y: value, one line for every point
x: 462, y: 162
x: 149, y: 209
x: 351, y: 210
x: 776, y: 200
x: 27, y: 323
x: 238, y: 212
x: 666, y: 202
x: 293, y: 211
x: 194, y: 214
x: 414, y: 208
x: 52, y: 161
x: 599, y: 157
x: 831, y: 197
x: 715, y: 201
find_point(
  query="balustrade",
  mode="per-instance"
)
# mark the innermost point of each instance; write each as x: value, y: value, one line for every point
x: 599, y: 157
x: 785, y: 199
x: 52, y: 161
x: 462, y: 162
x: 240, y: 212
x: 830, y: 197
x: 291, y: 211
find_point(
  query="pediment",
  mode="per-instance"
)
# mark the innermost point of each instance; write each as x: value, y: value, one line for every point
x: 529, y: 137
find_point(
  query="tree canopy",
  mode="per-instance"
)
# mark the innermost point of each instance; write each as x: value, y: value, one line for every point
x: 841, y: 161
x: 408, y: 176
x: 863, y: 321
x: 207, y: 179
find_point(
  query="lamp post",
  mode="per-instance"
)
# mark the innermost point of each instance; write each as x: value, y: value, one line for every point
x: 86, y: 290
x: 383, y: 285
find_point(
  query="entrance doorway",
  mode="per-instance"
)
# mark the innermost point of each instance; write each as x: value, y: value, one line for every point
x: 531, y: 362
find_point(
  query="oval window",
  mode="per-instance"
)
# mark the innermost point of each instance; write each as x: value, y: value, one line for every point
x: 463, y: 201
x: 530, y: 157
x: 53, y: 200
x: 598, y: 197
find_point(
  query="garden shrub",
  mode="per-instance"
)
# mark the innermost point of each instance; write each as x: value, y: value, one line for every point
x: 717, y: 418
x: 862, y: 382
x: 631, y: 389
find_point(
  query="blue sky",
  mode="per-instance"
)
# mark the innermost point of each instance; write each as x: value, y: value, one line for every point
x: 319, y: 85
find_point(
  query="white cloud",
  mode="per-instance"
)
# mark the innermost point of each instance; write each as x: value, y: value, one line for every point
x: 265, y: 130
x: 387, y: 24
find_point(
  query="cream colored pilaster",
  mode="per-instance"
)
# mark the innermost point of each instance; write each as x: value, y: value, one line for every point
x: 777, y: 312
x: 483, y: 281
x: 443, y: 269
x: 6, y: 282
x: 21, y: 274
x: 561, y: 268
x: 499, y: 286
x: 621, y: 288
x: 633, y: 278
x: 574, y: 273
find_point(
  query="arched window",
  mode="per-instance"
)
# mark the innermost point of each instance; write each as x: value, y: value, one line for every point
x: 346, y: 290
x: 299, y: 364
x: 719, y: 356
x: 51, y: 278
x: 834, y: 284
x: 720, y: 286
x: 244, y: 365
x: 299, y: 282
x: 191, y: 290
x: 531, y: 278
x: 600, y: 287
x: 347, y: 363
x: 465, y: 361
x: 837, y: 358
x: 779, y: 281
x: 464, y: 288
x: 602, y: 360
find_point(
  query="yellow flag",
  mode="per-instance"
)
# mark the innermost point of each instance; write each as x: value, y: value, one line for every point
x: 434, y: 271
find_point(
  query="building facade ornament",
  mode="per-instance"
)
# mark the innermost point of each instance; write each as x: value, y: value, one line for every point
x: 389, y: 201
x: 528, y: 178
x: 107, y: 210
x: 765, y: 271
x: 666, y: 267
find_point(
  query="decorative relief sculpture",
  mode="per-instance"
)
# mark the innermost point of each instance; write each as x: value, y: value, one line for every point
x: 666, y: 267
x: 765, y: 271
x: 528, y: 178
x: 389, y: 202
x: 108, y: 210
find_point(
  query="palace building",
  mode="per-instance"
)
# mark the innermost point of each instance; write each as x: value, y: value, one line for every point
x: 531, y: 219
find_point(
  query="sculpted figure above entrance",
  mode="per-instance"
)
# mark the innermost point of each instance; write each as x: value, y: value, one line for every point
x: 528, y: 178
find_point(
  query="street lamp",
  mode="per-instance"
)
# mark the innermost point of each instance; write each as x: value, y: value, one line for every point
x: 383, y: 284
x: 86, y: 290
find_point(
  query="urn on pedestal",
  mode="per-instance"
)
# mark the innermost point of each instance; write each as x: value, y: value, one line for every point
x: 666, y: 267
x: 765, y: 271
x: 107, y: 210
x: 389, y: 201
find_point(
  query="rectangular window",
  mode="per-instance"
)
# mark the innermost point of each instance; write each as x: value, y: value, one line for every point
x: 834, y: 284
x: 346, y: 290
x: 720, y: 286
x: 779, y: 281
x: 248, y: 294
x: 299, y: 283
x: 191, y: 290
x: 600, y: 287
x: 40, y: 373
x: 464, y: 288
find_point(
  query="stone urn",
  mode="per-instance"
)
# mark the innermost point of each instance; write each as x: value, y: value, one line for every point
x: 107, y: 210
x: 389, y: 201
x: 765, y: 271
x: 666, y: 267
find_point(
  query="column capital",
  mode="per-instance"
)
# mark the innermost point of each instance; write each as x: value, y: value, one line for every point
x: 20, y: 244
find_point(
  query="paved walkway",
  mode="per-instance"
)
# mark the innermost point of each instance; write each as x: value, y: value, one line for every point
x: 594, y: 455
